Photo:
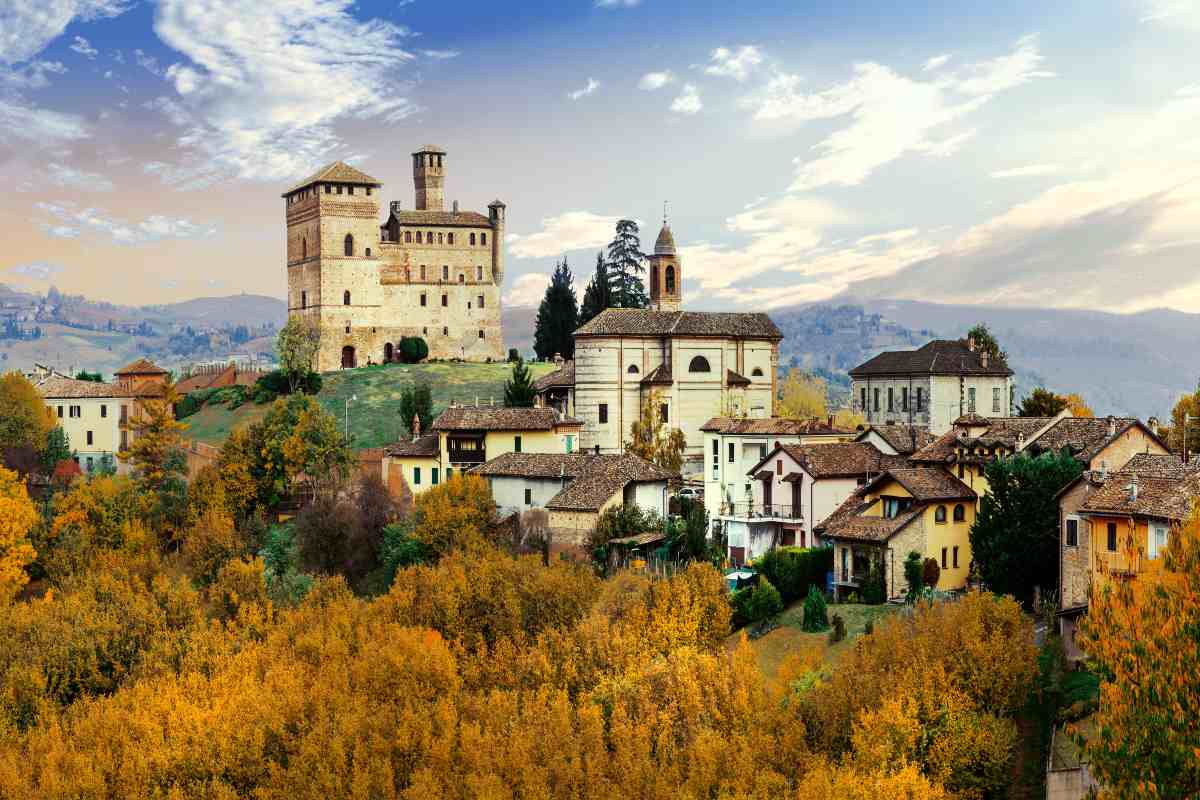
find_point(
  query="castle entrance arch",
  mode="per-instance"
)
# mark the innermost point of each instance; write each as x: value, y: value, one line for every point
x: 348, y: 361
x: 387, y: 353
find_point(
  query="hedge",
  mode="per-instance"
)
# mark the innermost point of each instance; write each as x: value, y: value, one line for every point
x: 792, y: 570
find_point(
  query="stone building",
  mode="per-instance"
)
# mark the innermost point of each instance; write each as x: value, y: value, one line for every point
x: 424, y: 272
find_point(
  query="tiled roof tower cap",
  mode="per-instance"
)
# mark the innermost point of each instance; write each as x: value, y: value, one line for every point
x: 664, y: 245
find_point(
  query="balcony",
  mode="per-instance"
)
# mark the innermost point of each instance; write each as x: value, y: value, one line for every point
x: 468, y: 457
x: 764, y: 511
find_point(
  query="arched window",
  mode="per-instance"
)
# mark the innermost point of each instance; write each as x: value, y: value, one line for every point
x: 960, y: 513
x: 304, y: 248
x: 670, y: 279
x: 346, y: 297
x: 441, y: 238
x: 472, y: 238
x: 418, y: 237
x: 349, y: 245
x: 449, y: 238
x: 408, y: 237
x: 479, y: 272
x: 304, y: 299
x: 483, y: 238
x: 757, y: 373
x: 387, y: 352
x: 939, y: 515
x: 633, y: 369
x: 699, y: 364
x: 428, y: 237
x: 367, y: 252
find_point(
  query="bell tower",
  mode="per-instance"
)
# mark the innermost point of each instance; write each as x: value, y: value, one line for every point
x: 666, y: 275
x: 429, y: 178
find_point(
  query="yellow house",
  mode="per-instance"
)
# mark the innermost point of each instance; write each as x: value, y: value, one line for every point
x: 467, y: 436
x: 921, y: 509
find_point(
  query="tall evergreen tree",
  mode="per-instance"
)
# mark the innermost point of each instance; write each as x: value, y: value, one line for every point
x: 598, y: 294
x: 557, y: 316
x: 518, y: 390
x: 626, y: 264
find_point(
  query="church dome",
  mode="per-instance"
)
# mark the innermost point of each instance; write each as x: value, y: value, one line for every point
x: 665, y: 244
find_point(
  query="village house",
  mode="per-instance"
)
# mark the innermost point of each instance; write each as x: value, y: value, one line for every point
x: 557, y: 389
x: 466, y: 436
x: 1104, y: 515
x: 575, y: 489
x: 918, y: 509
x: 895, y: 438
x: 931, y: 386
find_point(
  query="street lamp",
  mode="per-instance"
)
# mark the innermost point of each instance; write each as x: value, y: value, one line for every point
x: 353, y: 398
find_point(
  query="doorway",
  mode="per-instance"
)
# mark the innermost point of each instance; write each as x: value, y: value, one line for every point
x: 348, y: 361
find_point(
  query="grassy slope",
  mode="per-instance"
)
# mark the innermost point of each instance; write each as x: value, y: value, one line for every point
x: 374, y: 417
x: 788, y: 638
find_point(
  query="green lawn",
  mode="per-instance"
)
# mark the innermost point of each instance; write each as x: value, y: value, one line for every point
x: 788, y: 638
x: 374, y: 417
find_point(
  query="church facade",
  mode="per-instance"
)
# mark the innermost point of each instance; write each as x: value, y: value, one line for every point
x: 425, y: 272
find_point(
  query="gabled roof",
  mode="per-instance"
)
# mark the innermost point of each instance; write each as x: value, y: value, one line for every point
x: 925, y: 484
x: 659, y: 376
x: 1159, y: 465
x: 500, y: 418
x: 592, y: 479
x: 141, y: 367
x: 59, y: 387
x: 1167, y: 498
x: 900, y: 438
x: 837, y: 459
x: 1086, y: 437
x: 563, y: 376
x: 767, y: 426
x: 337, y: 172
x: 734, y: 379
x: 425, y: 446
x: 939, y: 357
x: 872, y: 529
x: 1005, y: 432
x: 647, y: 322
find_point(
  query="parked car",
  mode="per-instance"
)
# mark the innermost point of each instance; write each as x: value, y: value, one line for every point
x: 691, y: 493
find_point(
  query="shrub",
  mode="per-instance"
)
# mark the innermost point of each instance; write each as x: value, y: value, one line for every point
x: 400, y: 549
x: 276, y: 384
x: 192, y: 402
x: 913, y: 575
x: 793, y: 570
x: 514, y: 354
x: 838, y: 632
x: 930, y: 572
x: 755, y: 603
x: 874, y: 590
x: 412, y: 350
x: 815, y: 614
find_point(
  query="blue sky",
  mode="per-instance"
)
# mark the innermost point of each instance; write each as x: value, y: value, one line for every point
x: 1018, y: 153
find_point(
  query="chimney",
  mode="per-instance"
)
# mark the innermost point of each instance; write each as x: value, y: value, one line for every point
x: 416, y: 427
x: 1152, y: 424
x: 1103, y: 470
x: 983, y: 358
x: 971, y: 343
x: 1112, y: 426
x: 454, y: 206
x: 1133, y: 488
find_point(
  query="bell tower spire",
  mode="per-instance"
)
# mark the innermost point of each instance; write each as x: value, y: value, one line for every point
x: 666, y: 272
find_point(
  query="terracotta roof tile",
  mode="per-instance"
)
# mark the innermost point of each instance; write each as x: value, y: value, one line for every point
x: 1084, y: 437
x: 925, y: 484
x: 500, y: 418
x: 1168, y: 498
x: 659, y: 376
x: 902, y: 438
x: 141, y: 367
x: 563, y: 376
x: 426, y: 445
x: 592, y: 480
x: 841, y: 459
x: 647, y: 322
x: 872, y: 529
x: 337, y: 172
x: 445, y: 219
x: 779, y: 426
x: 1155, y: 465
x: 939, y: 357
x: 58, y: 387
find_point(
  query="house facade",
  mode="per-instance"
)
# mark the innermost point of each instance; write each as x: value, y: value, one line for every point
x: 931, y: 386
x: 463, y: 437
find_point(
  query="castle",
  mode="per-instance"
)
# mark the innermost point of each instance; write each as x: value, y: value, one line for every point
x: 428, y: 272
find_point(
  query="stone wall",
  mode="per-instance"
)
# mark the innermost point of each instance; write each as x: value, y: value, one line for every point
x: 907, y: 540
x: 1075, y: 561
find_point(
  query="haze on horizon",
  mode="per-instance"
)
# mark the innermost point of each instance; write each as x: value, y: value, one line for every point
x: 973, y: 155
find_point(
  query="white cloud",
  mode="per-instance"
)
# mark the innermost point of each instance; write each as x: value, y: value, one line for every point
x: 688, y: 101
x: 26, y: 27
x: 154, y: 228
x: 441, y: 55
x: 736, y: 64
x: 889, y: 114
x: 1174, y: 13
x: 936, y: 62
x: 565, y: 233
x: 36, y: 270
x: 65, y: 175
x: 1032, y: 170
x: 147, y: 62
x: 656, y: 80
x: 38, y: 125
x: 84, y: 48
x: 527, y: 290
x: 592, y: 85
x: 265, y: 83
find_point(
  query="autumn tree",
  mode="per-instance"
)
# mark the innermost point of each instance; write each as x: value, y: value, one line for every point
x: 518, y: 389
x: 315, y: 450
x: 651, y: 438
x: 17, y: 518
x: 297, y: 345
x: 58, y: 448
x: 454, y: 514
x: 557, y: 316
x: 1042, y: 402
x: 25, y: 419
x: 1078, y: 406
x: 802, y: 395
x: 1185, y: 422
x: 156, y: 442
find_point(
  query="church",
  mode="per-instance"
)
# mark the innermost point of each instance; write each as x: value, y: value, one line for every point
x: 426, y: 272
x: 696, y: 365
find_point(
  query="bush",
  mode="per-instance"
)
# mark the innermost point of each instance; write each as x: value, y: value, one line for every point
x: 930, y: 572
x: 276, y: 384
x: 838, y: 632
x: 755, y: 603
x: 816, y: 617
x: 874, y: 590
x: 412, y: 350
x: 400, y: 549
x: 913, y: 575
x: 793, y: 570
x: 514, y: 354
x: 192, y: 402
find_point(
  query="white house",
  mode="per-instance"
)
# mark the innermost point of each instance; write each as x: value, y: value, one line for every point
x: 895, y: 438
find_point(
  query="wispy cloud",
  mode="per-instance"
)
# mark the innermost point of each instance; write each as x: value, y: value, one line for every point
x: 36, y: 270
x: 1175, y: 13
x: 27, y: 27
x: 28, y: 122
x: 64, y: 175
x: 564, y: 233
x: 72, y: 221
x: 440, y: 55
x: 84, y: 48
x: 936, y: 62
x: 688, y: 101
x: 737, y: 64
x: 618, y: 3
x: 527, y: 290
x: 592, y: 85
x: 1029, y: 171
x: 656, y: 80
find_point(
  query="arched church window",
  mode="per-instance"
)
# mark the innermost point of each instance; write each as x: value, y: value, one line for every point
x: 483, y: 238
x: 699, y: 364
x: 472, y: 238
x: 408, y: 237
x: 346, y: 297
x: 757, y: 373
x: 633, y: 369
x: 670, y: 279
x: 349, y: 245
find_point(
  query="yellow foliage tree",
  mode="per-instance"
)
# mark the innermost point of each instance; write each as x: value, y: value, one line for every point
x: 25, y: 419
x: 157, y: 441
x: 652, y: 439
x: 1078, y: 406
x: 455, y: 514
x: 100, y: 513
x: 802, y: 395
x: 17, y: 518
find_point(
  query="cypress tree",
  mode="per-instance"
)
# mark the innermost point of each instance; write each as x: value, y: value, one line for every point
x: 518, y: 390
x: 626, y: 263
x: 598, y: 294
x: 557, y: 316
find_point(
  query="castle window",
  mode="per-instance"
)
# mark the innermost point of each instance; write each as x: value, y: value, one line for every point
x: 418, y: 237
x: 428, y: 237
x: 346, y: 297
x: 479, y: 300
x: 445, y: 331
x: 670, y: 279
x: 481, y: 333
x: 349, y: 245
x: 757, y: 373
x: 422, y: 272
x: 461, y: 278
x: 483, y: 238
x: 350, y: 190
x: 422, y: 299
x: 445, y: 300
x: 367, y: 252
x: 479, y: 272
x: 425, y: 330
x: 408, y: 237
x: 472, y: 239
x: 449, y: 238
x: 304, y: 299
x: 445, y: 272
x: 699, y: 364
x: 441, y: 239
x: 633, y: 370
x: 304, y: 248
x: 347, y: 327
x: 328, y: 188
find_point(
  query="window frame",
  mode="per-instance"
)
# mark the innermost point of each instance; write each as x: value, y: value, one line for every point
x: 602, y: 413
x: 694, y: 366
x: 1071, y: 531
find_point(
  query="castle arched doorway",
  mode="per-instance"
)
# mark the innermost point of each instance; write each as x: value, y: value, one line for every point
x: 348, y: 361
x: 387, y: 353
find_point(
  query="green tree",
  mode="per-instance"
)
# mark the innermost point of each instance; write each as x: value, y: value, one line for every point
x: 94, y: 377
x: 985, y: 342
x: 1042, y: 402
x: 626, y: 265
x: 518, y: 390
x: 416, y: 400
x: 58, y: 448
x: 598, y: 294
x: 557, y: 316
x: 413, y: 350
x: 914, y: 574
x: 816, y: 618
x: 1014, y: 539
x: 25, y: 420
x: 1185, y: 422
x: 296, y: 346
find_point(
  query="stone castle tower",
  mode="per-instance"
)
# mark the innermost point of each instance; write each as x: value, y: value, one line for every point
x: 427, y: 272
x: 666, y: 275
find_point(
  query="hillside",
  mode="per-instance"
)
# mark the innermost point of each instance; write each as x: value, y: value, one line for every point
x: 374, y: 420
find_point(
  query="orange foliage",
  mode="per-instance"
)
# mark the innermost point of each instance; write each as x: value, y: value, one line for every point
x: 17, y: 518
x: 454, y: 514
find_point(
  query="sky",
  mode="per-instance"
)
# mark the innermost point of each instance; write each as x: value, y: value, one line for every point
x: 1019, y: 153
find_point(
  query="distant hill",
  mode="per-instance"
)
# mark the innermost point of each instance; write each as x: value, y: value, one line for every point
x: 236, y: 309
